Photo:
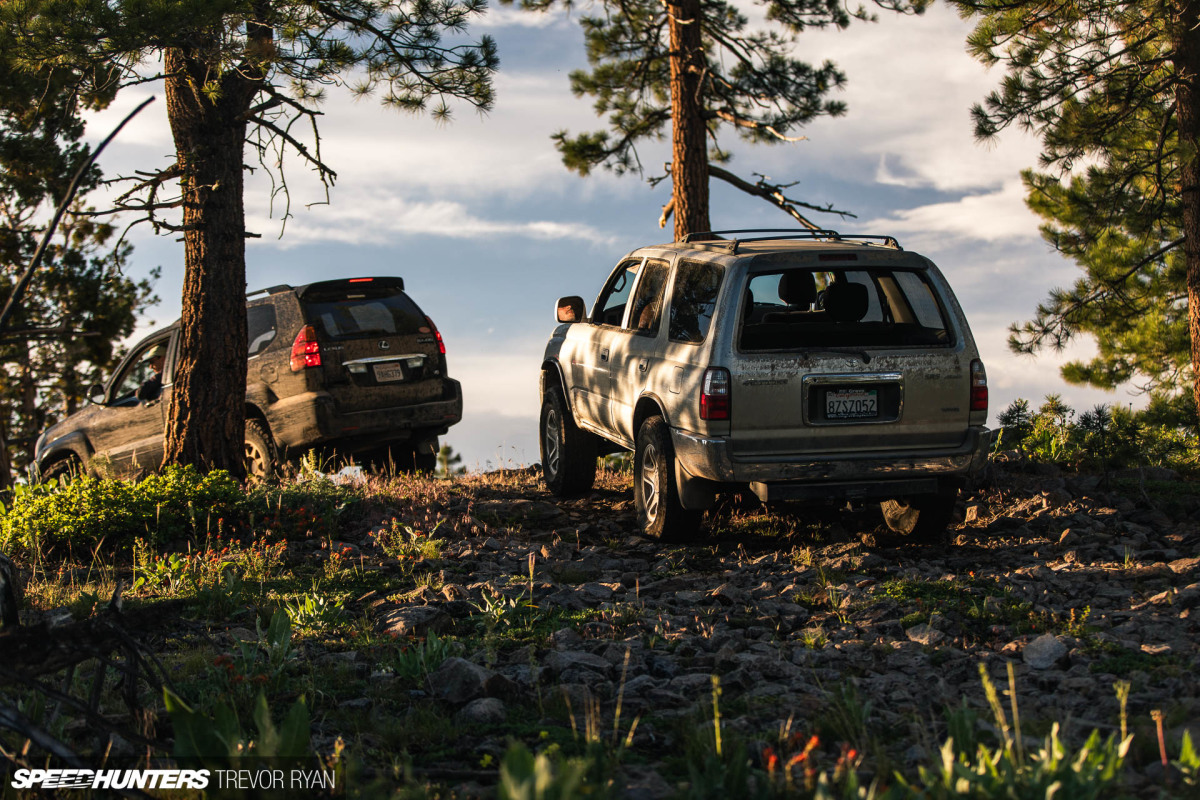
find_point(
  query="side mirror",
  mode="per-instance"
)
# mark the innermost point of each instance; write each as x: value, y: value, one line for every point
x: 570, y: 309
x: 96, y: 394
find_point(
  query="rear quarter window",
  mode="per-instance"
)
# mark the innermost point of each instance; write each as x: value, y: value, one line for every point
x: 260, y: 328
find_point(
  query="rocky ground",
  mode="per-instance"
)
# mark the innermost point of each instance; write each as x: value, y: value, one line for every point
x: 815, y: 621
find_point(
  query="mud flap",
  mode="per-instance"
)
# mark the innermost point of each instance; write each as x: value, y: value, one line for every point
x: 695, y: 494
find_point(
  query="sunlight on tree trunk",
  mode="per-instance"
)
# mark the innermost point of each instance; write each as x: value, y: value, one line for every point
x: 689, y: 146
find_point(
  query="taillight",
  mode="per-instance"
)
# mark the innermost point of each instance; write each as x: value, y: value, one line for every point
x: 979, y: 392
x: 306, y: 351
x: 438, y: 334
x: 714, y: 394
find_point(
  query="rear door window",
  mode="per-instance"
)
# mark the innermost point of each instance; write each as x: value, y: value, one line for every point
x: 873, y: 307
x: 647, y: 302
x: 351, y: 314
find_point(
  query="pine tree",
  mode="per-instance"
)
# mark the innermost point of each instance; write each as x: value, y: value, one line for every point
x: 238, y: 73
x: 698, y: 66
x: 63, y: 334
x: 1113, y: 89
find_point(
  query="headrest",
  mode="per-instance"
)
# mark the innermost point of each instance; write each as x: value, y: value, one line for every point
x: 797, y: 288
x: 845, y: 301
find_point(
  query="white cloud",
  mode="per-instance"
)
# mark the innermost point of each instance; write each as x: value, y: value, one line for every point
x: 989, y: 217
x: 910, y: 87
x: 379, y: 217
x: 500, y: 17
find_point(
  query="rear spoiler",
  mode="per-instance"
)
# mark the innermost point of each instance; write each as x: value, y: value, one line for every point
x: 394, y: 282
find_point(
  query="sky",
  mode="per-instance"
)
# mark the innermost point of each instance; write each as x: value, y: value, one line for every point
x: 488, y: 228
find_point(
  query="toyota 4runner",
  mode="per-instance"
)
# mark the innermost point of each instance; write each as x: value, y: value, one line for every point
x: 350, y: 365
x: 805, y: 365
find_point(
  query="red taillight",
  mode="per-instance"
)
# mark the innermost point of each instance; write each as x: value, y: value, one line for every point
x: 979, y: 392
x: 714, y: 394
x: 438, y: 334
x: 306, y: 352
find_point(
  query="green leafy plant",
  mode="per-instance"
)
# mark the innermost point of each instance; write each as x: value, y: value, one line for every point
x: 165, y: 574
x: 315, y: 610
x: 969, y: 768
x: 525, y: 776
x: 221, y: 740
x: 402, y: 541
x: 259, y: 663
x: 414, y: 662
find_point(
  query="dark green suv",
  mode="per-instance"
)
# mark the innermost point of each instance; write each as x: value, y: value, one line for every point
x: 351, y: 366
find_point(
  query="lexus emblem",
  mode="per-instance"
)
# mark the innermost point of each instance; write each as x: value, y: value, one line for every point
x: 383, y: 344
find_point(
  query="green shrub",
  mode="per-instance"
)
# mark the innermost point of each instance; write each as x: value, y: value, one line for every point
x: 1100, y: 440
x: 61, y: 517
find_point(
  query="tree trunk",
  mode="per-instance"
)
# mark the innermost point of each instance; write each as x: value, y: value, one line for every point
x: 689, y: 135
x: 6, y: 478
x: 206, y: 416
x: 1187, y: 98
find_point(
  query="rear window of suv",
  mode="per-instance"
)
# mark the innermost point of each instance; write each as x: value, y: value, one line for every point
x: 349, y: 314
x: 868, y: 307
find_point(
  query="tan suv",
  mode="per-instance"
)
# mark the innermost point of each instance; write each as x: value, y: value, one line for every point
x: 806, y: 365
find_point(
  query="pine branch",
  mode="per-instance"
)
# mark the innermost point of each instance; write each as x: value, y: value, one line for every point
x: 773, y: 193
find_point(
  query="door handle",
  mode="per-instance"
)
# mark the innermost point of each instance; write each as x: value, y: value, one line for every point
x: 643, y: 366
x: 604, y: 354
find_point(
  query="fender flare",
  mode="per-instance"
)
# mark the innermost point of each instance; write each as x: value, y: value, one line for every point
x: 74, y: 444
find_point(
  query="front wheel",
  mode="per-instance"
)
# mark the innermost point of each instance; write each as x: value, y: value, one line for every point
x: 260, y: 452
x: 568, y: 453
x: 62, y: 470
x: 655, y: 494
x: 923, y: 518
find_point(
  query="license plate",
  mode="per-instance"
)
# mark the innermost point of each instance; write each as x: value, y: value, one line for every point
x: 851, y: 404
x: 389, y: 372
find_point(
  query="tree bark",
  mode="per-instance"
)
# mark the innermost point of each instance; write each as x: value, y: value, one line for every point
x: 689, y: 134
x: 207, y: 411
x: 6, y: 478
x: 1187, y: 98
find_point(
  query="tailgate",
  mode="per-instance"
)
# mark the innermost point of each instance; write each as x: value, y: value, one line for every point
x: 378, y: 348
x: 832, y: 403
x: 852, y: 360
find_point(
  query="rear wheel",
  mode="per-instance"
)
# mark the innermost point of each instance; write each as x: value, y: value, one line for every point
x: 922, y: 518
x: 568, y: 453
x: 655, y: 494
x: 425, y: 456
x: 409, y: 456
x: 260, y: 452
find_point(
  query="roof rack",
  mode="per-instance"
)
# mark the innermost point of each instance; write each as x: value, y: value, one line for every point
x: 788, y: 233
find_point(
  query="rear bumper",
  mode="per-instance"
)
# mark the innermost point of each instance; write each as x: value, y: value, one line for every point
x: 883, y: 473
x: 312, y: 418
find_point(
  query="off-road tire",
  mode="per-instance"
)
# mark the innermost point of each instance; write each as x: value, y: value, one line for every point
x: 923, y: 518
x: 401, y: 458
x: 424, y: 459
x: 655, y: 495
x: 261, y: 458
x: 69, y: 467
x: 568, y: 453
